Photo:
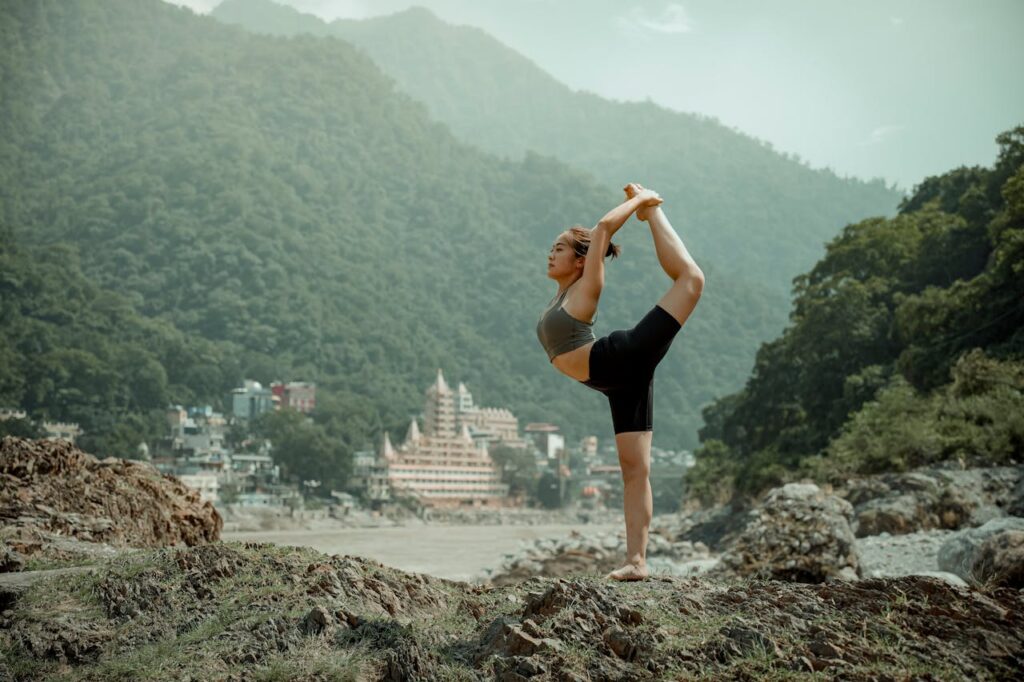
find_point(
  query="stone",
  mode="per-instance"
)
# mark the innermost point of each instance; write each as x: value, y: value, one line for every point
x: 950, y: 578
x: 798, y: 533
x: 897, y: 515
x: 958, y: 554
x: 10, y: 560
x: 316, y: 621
x: 999, y: 560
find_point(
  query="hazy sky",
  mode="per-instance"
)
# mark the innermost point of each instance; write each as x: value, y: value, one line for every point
x: 898, y: 89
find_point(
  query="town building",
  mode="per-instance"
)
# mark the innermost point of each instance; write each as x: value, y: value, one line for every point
x: 206, y: 483
x: 68, y: 431
x: 297, y: 395
x: 548, y: 441
x: 251, y: 400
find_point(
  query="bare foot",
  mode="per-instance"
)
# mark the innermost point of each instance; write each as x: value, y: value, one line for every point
x: 629, y: 572
x: 632, y: 189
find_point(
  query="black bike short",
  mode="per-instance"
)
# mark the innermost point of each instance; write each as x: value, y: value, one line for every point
x: 622, y: 367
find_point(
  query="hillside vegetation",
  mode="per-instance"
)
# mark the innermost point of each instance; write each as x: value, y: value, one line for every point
x: 905, y: 348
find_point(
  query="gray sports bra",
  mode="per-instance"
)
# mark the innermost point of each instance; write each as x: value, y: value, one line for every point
x: 559, y: 332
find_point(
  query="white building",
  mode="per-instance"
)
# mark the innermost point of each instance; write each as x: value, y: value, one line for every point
x: 441, y: 466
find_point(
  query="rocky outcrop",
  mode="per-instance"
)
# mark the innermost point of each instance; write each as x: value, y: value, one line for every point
x: 240, y: 612
x: 798, y: 533
x: 991, y: 554
x: 52, y: 492
x: 945, y: 498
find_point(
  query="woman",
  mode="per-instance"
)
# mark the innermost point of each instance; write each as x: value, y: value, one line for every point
x: 620, y: 365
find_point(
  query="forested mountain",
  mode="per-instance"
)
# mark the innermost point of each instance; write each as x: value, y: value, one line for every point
x: 278, y: 195
x: 905, y: 348
x: 757, y: 217
x: 74, y: 352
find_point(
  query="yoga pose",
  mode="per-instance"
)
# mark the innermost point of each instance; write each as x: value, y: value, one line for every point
x: 620, y: 365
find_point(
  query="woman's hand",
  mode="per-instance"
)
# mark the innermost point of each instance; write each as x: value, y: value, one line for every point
x: 649, y: 199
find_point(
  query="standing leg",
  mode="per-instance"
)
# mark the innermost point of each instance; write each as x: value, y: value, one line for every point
x: 635, y: 459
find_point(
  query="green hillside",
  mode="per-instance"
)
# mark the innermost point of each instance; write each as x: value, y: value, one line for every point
x: 905, y: 348
x: 758, y: 216
x: 278, y: 195
x: 73, y: 352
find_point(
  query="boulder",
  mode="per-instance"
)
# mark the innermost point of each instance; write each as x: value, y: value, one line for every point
x: 970, y: 555
x: 798, y: 533
x: 1000, y: 560
x: 939, y: 497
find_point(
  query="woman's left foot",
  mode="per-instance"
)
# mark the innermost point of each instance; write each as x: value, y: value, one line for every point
x: 629, y: 572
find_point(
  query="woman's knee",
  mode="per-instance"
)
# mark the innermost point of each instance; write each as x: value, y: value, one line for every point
x: 680, y: 300
x: 634, y: 449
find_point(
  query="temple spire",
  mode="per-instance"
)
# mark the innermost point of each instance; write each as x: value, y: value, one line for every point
x: 413, y: 436
x: 386, y: 450
x: 440, y: 385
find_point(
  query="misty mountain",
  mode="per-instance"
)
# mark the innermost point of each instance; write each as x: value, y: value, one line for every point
x: 758, y: 216
x: 279, y: 197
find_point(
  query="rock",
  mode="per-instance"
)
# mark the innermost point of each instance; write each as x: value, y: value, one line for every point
x: 750, y: 641
x: 895, y: 515
x: 619, y: 641
x: 316, y: 621
x: 950, y: 578
x: 10, y: 560
x: 51, y: 490
x: 1000, y: 560
x: 942, y: 496
x: 959, y: 554
x: 799, y: 533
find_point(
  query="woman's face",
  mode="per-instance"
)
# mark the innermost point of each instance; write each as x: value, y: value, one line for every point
x: 562, y: 259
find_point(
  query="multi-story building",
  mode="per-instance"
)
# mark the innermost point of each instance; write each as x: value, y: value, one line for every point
x: 205, y: 482
x: 490, y: 425
x: 68, y: 431
x: 298, y: 395
x: 198, y: 435
x: 251, y: 400
x: 441, y: 466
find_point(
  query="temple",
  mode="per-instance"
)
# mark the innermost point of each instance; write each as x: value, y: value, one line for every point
x: 447, y: 464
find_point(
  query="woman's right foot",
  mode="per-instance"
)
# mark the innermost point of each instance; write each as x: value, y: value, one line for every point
x: 629, y: 572
x: 643, y: 212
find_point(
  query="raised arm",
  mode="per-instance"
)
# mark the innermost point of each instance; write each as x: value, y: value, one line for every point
x: 592, y: 281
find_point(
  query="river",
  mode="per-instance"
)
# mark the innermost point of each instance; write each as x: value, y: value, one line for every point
x: 453, y: 552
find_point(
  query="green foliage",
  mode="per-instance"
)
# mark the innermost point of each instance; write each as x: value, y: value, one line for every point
x: 977, y: 419
x: 304, y: 450
x: 548, y: 490
x: 278, y: 198
x: 712, y: 479
x: 519, y: 468
x: 74, y: 352
x: 21, y: 428
x: 859, y: 382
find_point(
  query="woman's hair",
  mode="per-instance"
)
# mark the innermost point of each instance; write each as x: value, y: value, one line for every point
x: 579, y: 240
